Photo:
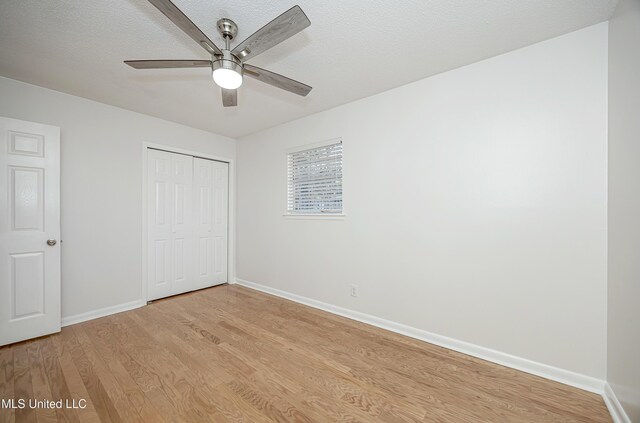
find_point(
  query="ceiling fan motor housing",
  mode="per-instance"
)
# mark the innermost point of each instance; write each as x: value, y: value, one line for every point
x: 227, y: 61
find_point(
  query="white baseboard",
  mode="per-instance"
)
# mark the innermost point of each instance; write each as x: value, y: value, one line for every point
x: 615, y: 408
x: 95, y: 314
x: 567, y: 377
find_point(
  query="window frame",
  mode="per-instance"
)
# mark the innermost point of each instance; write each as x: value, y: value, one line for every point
x: 312, y: 216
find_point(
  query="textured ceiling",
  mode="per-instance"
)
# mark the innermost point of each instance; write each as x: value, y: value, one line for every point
x: 353, y: 49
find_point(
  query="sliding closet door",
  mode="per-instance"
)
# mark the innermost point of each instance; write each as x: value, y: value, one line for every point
x: 170, y: 231
x: 211, y: 194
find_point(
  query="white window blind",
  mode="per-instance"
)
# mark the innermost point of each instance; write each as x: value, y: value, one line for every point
x: 315, y: 180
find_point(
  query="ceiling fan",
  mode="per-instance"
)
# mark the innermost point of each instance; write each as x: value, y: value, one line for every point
x: 228, y: 66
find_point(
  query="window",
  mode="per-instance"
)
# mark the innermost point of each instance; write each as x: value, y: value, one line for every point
x: 315, y: 180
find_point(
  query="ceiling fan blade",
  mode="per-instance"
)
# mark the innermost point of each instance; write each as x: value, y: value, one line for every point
x: 229, y: 97
x: 284, y: 26
x: 277, y: 80
x: 168, y: 64
x: 181, y: 20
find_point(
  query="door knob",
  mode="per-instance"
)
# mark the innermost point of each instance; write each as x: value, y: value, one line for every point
x: 51, y: 242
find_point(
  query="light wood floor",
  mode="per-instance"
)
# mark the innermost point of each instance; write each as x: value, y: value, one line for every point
x: 233, y: 354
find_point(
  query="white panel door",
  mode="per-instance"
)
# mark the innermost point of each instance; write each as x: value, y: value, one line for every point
x: 181, y: 222
x: 159, y: 224
x: 220, y: 220
x: 29, y: 230
x: 169, y: 220
x: 211, y: 194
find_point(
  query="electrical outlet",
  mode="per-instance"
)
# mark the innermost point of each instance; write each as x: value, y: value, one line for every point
x: 354, y: 290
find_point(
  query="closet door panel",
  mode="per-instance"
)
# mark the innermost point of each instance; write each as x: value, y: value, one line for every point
x: 181, y: 222
x: 220, y: 227
x: 159, y: 224
x: 210, y: 214
x: 203, y: 206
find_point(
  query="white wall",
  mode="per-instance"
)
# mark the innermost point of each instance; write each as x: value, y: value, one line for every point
x: 476, y: 204
x: 623, y: 354
x: 101, y: 182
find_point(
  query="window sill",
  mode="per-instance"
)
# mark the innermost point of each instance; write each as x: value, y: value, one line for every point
x: 322, y: 216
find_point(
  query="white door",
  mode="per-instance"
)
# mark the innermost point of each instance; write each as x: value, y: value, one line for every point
x: 170, y: 233
x: 210, y: 206
x: 29, y: 230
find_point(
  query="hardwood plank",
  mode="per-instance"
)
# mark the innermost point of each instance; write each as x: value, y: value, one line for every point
x: 22, y: 383
x: 232, y: 354
x: 39, y: 382
x: 76, y: 386
x: 56, y: 379
x: 6, y: 382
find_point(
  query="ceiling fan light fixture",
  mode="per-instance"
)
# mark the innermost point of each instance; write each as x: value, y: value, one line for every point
x: 227, y: 78
x: 226, y: 64
x: 227, y: 71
